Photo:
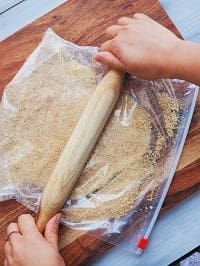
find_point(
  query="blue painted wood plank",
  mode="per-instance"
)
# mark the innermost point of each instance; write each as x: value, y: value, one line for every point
x: 175, y: 233
x: 7, y: 4
x: 23, y: 14
x: 185, y: 14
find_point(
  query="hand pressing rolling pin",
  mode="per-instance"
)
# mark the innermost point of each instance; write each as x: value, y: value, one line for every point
x: 146, y: 49
x: 137, y: 45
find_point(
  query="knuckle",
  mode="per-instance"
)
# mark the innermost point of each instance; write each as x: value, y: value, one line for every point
x: 24, y: 216
x: 108, y: 29
x: 116, y: 45
x: 113, y: 43
x: 11, y: 225
x: 122, y: 19
x: 116, y: 42
x: 139, y: 16
x: 127, y: 27
x: 21, y: 217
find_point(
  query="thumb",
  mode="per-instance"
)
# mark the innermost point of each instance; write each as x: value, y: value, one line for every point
x: 110, y: 60
x: 51, y: 230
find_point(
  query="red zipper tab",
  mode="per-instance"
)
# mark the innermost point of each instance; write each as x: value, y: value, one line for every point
x: 142, y: 243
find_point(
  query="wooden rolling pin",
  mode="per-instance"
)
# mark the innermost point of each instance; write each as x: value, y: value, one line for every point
x: 79, y: 146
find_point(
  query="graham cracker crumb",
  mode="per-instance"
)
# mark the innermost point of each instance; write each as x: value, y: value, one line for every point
x: 44, y: 108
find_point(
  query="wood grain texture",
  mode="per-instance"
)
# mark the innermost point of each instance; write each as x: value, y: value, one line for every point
x: 84, y: 22
x: 79, y: 146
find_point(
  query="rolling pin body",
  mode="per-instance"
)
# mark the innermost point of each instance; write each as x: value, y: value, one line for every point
x: 79, y: 146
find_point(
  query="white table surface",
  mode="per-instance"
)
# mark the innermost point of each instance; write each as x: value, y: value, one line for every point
x: 177, y: 231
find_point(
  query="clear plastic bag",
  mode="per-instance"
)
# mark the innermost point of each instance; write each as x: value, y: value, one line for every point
x: 124, y: 183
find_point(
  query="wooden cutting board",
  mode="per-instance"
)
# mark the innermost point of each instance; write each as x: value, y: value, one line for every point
x: 84, y: 22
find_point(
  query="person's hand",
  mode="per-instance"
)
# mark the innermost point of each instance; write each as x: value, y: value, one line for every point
x: 140, y: 46
x: 26, y: 246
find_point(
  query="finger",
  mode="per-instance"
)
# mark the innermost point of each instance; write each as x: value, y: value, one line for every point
x: 27, y: 225
x: 8, y: 254
x: 125, y: 21
x: 106, y: 46
x: 113, y: 30
x: 110, y: 60
x: 51, y: 230
x: 140, y: 16
x: 7, y: 249
x: 5, y: 262
x: 112, y: 46
x: 12, y: 230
